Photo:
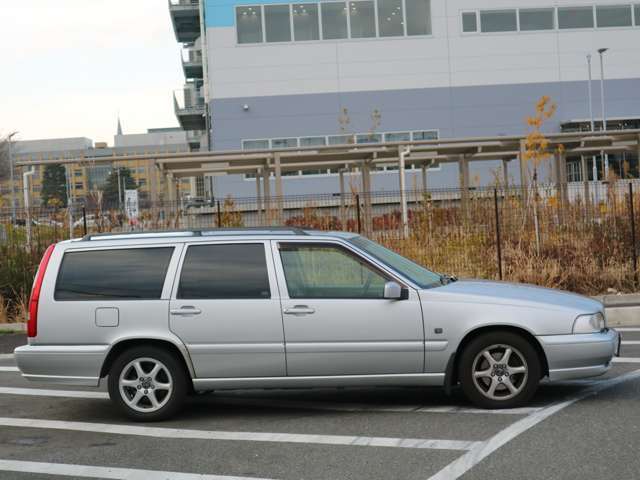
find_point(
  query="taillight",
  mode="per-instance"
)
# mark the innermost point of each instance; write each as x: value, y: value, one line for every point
x: 32, y: 324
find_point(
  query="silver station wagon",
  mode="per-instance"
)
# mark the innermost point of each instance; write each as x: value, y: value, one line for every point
x: 162, y: 315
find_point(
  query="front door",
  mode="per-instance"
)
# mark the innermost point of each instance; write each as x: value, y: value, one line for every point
x: 336, y: 320
x: 226, y: 309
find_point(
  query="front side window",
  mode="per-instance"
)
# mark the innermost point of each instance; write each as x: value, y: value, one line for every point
x: 536, y: 19
x: 575, y: 17
x: 363, y: 19
x: 233, y: 271
x: 328, y: 271
x: 498, y: 21
x: 418, y: 17
x: 277, y: 24
x: 390, y: 16
x: 305, y: 22
x: 614, y: 16
x: 334, y: 20
x: 249, y: 24
x: 119, y: 274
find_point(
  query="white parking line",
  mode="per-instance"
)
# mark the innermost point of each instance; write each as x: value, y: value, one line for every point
x: 466, y: 462
x: 626, y: 360
x: 327, y: 406
x: 627, y: 329
x: 363, y: 407
x: 630, y: 342
x: 9, y: 369
x: 180, y: 433
x: 88, y: 471
x: 6, y: 356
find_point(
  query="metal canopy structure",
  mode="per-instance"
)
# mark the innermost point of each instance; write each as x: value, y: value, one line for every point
x: 266, y: 164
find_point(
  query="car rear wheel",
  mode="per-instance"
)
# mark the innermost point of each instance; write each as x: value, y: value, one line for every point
x: 147, y: 384
x: 499, y: 370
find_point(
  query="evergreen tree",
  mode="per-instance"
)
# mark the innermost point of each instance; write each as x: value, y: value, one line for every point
x: 54, y: 186
x: 110, y: 191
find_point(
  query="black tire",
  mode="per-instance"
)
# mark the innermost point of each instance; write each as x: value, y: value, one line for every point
x: 175, y: 375
x: 479, y: 390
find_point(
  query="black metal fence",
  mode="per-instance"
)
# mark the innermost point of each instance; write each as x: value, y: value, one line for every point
x: 572, y: 237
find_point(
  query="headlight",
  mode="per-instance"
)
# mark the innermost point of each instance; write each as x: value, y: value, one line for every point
x: 589, y: 323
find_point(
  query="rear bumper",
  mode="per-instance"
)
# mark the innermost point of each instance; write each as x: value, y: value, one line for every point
x: 63, y: 365
x: 581, y: 355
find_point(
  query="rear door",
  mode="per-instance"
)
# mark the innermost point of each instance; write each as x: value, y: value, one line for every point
x: 226, y: 309
x: 336, y: 320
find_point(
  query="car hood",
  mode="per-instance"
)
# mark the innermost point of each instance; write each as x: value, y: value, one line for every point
x: 514, y: 294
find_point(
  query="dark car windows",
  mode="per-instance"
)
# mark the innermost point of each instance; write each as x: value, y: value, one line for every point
x: 122, y: 274
x: 237, y: 271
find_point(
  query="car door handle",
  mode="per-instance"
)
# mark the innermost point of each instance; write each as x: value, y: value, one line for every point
x: 299, y: 310
x: 184, y: 311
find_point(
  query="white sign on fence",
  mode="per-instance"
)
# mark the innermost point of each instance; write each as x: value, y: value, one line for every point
x: 131, y: 204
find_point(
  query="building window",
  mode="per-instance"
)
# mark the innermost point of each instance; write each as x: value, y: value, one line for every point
x: 537, y: 19
x: 614, y: 16
x: 255, y: 144
x: 305, y: 22
x: 574, y: 173
x: 498, y: 21
x: 362, y: 19
x: 284, y: 143
x: 397, y: 137
x: 340, y: 139
x: 575, y: 17
x: 334, y: 20
x: 369, y: 138
x: 469, y: 22
x: 277, y: 24
x: 418, y: 17
x: 313, y: 141
x: 249, y: 24
x: 390, y: 18
x: 78, y: 185
x: 425, y: 135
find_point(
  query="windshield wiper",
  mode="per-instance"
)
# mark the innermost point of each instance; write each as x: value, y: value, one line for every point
x: 447, y: 279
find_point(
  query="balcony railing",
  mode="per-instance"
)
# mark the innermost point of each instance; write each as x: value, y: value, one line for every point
x: 185, y: 16
x: 189, y: 108
x: 192, y: 63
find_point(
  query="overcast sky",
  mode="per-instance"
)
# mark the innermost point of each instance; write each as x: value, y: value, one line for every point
x: 68, y: 66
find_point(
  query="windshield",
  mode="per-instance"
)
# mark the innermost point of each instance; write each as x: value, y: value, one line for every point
x: 414, y: 272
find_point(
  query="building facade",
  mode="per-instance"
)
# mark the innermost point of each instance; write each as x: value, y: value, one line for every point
x: 287, y: 74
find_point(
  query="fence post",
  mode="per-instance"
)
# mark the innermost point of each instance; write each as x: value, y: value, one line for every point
x: 634, y: 255
x: 84, y: 220
x: 219, y: 213
x: 358, y: 213
x: 498, y: 241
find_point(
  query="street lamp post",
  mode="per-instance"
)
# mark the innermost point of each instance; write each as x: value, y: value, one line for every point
x: 601, y: 52
x: 594, y: 166
x: 11, y: 180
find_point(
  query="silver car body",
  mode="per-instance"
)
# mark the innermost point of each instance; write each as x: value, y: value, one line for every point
x: 281, y: 342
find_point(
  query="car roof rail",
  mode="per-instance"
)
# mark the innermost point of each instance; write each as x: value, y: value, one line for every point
x: 211, y: 232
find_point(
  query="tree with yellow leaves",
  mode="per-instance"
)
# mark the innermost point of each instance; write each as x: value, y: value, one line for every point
x: 536, y: 150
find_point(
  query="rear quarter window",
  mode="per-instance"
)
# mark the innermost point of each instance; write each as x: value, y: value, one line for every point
x: 119, y: 274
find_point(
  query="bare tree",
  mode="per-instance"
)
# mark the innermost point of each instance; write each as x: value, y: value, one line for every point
x: 4, y: 158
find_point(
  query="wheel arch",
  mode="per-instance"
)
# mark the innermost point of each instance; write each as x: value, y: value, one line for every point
x: 124, y: 344
x: 451, y: 377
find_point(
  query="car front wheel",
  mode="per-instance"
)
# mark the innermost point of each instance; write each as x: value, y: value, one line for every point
x: 147, y: 384
x: 499, y: 370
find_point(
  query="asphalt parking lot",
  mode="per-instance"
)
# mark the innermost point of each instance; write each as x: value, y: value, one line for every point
x: 586, y: 429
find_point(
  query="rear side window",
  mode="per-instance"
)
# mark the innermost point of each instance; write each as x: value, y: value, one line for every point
x: 234, y: 271
x: 122, y: 274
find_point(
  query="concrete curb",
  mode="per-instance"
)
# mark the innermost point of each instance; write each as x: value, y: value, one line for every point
x: 13, y: 327
x: 621, y: 310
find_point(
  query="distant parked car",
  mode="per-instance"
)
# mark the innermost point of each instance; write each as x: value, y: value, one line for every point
x: 162, y: 314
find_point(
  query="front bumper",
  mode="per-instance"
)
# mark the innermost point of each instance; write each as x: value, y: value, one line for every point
x: 62, y: 364
x: 580, y: 355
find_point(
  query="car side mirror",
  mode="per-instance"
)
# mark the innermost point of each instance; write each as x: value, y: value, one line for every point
x: 393, y: 291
